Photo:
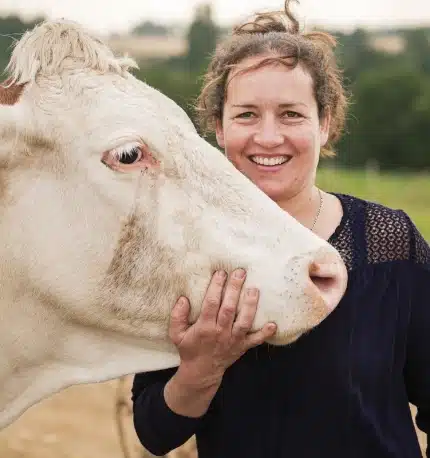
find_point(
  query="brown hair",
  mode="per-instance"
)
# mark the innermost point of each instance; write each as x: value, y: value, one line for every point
x: 277, y: 33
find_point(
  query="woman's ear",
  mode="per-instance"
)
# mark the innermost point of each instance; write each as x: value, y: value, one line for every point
x: 325, y: 122
x: 219, y: 132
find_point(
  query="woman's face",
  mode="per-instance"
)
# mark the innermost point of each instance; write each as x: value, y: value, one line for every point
x: 270, y: 128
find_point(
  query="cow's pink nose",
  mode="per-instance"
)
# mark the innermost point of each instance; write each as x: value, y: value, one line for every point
x: 328, y: 279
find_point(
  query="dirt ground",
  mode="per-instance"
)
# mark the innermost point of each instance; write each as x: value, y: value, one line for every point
x: 76, y: 423
x: 79, y: 422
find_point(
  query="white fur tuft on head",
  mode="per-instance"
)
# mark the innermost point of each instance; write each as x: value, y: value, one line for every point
x: 52, y: 45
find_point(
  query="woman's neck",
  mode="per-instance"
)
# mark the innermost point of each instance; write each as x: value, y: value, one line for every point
x: 305, y: 206
x: 317, y: 210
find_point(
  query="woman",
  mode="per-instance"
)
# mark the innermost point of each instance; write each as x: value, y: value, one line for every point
x: 275, y: 100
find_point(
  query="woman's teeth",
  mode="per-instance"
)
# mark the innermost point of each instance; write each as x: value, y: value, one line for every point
x: 278, y: 160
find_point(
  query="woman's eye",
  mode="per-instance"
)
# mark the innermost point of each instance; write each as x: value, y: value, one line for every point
x: 130, y: 157
x: 246, y: 115
x: 292, y: 114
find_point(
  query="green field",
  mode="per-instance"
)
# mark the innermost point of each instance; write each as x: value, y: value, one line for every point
x: 409, y: 192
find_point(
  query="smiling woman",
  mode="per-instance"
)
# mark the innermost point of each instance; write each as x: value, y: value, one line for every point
x: 274, y: 97
x: 276, y: 103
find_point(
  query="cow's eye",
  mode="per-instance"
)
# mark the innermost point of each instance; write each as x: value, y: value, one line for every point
x: 130, y: 156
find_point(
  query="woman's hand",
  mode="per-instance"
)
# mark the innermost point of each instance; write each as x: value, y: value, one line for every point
x: 219, y: 337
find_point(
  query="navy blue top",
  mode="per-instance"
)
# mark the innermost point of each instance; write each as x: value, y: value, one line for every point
x: 343, y: 389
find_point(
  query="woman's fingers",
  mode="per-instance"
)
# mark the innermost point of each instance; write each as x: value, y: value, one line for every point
x: 228, y: 309
x: 179, y: 320
x: 212, y: 299
x: 245, y: 318
x: 217, y: 340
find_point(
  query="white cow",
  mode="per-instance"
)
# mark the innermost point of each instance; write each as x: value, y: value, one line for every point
x: 111, y: 206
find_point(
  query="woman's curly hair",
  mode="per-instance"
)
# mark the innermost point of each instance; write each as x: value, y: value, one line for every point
x: 277, y: 35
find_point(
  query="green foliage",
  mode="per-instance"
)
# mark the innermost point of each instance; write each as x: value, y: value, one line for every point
x: 407, y: 191
x: 389, y: 116
x: 11, y: 29
x: 390, y: 119
x: 150, y: 28
x: 14, y: 26
x: 355, y: 54
x: 180, y: 85
x: 417, y: 49
x: 180, y: 77
x: 202, y: 38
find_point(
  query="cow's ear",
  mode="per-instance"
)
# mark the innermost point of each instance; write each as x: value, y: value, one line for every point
x: 10, y: 93
x: 9, y: 115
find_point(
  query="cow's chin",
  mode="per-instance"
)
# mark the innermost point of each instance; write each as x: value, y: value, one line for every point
x: 285, y: 339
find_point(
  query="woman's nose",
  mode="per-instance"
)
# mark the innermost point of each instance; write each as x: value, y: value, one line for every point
x: 268, y: 134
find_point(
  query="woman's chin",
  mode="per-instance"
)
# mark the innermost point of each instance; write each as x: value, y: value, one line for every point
x: 276, y: 191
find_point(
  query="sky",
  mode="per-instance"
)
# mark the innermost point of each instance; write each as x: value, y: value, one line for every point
x: 106, y: 16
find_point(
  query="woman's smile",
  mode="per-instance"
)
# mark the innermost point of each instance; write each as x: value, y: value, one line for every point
x: 269, y: 164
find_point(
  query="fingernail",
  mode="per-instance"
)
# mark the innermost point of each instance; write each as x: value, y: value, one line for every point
x: 271, y: 326
x: 181, y: 301
x: 240, y: 273
x: 252, y: 292
x: 221, y: 273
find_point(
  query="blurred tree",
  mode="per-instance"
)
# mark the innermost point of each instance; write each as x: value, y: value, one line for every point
x: 390, y: 119
x: 202, y: 38
x: 179, y: 77
x: 418, y: 48
x: 13, y: 25
x: 150, y: 28
x: 356, y: 54
x: 11, y: 29
x: 180, y: 85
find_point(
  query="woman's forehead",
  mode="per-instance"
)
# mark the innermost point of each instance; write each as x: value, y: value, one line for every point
x: 271, y: 81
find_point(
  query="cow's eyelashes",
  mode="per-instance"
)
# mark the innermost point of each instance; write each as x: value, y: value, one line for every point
x: 127, y: 154
x: 130, y: 156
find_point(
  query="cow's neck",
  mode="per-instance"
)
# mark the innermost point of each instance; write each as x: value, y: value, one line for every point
x: 63, y: 354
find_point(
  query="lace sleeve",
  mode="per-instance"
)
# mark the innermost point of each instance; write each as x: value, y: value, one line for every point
x: 420, y: 249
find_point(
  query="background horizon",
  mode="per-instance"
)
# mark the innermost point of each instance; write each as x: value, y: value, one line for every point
x: 122, y: 16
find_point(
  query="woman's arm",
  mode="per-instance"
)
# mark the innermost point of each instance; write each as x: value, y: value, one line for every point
x: 169, y: 406
x: 417, y: 370
x: 158, y: 428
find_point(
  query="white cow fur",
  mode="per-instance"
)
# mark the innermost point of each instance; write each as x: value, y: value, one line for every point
x: 92, y: 260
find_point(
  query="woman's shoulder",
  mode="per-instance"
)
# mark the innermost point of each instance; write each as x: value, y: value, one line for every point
x: 383, y: 233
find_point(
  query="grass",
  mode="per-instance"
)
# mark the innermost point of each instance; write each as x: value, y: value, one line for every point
x: 409, y: 192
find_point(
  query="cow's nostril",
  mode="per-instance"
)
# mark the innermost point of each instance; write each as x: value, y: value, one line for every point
x: 329, y: 277
x: 324, y: 284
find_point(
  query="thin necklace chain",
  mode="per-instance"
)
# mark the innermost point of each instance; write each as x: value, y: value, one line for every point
x: 319, y: 209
